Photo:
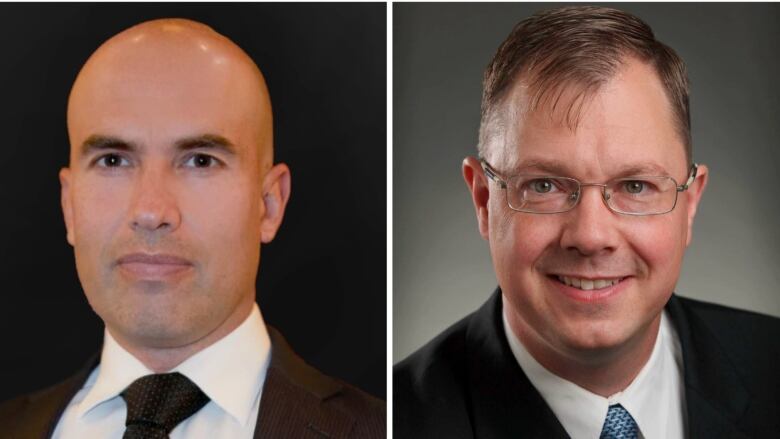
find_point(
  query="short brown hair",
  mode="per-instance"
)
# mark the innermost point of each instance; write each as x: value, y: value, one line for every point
x: 582, y: 46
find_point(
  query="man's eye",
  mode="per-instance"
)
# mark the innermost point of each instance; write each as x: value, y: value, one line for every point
x: 542, y: 185
x: 111, y: 161
x: 201, y: 161
x: 634, y: 186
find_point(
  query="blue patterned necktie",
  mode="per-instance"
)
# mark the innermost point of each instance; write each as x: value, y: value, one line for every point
x: 619, y: 424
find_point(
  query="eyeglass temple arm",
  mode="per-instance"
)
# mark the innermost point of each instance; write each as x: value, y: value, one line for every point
x: 491, y: 174
x: 691, y: 178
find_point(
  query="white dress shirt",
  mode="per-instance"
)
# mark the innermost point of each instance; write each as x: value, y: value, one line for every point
x: 231, y: 372
x: 655, y: 399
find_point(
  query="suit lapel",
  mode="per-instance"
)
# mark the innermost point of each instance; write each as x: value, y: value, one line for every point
x: 715, y: 397
x: 294, y: 396
x: 503, y: 401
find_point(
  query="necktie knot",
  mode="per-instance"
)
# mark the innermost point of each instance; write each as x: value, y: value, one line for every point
x: 619, y: 424
x: 158, y: 403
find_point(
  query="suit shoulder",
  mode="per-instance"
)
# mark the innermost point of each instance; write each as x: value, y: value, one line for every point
x: 732, y: 323
x: 440, y: 358
x: 311, y: 400
x: 429, y: 387
x: 10, y: 410
x: 749, y: 339
x: 735, y: 353
x: 35, y: 412
x: 369, y: 412
x: 302, y: 395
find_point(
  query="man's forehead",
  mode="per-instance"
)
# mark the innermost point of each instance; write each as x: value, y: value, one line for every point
x: 627, y: 120
x: 564, y: 106
x: 166, y: 79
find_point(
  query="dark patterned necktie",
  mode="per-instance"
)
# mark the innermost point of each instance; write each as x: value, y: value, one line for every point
x: 619, y: 424
x: 158, y: 403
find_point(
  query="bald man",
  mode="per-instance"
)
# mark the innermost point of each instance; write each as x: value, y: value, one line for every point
x: 170, y: 192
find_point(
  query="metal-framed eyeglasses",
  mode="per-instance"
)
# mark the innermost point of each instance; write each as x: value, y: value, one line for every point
x: 633, y: 195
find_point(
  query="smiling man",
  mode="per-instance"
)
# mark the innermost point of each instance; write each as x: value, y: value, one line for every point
x: 170, y: 192
x: 586, y: 191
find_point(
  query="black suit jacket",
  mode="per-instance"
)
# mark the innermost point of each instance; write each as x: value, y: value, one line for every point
x: 466, y: 383
x: 297, y: 402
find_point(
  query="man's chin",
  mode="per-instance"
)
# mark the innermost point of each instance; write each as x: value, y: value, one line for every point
x: 606, y: 340
x: 160, y: 334
x: 149, y: 289
x: 153, y: 322
x: 598, y: 338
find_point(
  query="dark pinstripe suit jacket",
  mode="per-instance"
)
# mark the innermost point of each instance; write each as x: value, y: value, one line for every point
x: 298, y: 402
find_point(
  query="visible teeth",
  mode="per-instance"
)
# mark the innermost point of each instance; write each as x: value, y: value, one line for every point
x: 588, y: 284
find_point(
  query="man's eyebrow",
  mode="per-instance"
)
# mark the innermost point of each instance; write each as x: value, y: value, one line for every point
x: 643, y: 169
x: 99, y: 142
x: 206, y: 141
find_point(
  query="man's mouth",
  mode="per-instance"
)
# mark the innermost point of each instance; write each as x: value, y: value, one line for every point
x: 153, y: 266
x: 152, y: 259
x: 588, y: 284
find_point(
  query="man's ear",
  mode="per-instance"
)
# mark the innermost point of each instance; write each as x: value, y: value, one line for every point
x: 66, y: 202
x: 695, y: 191
x: 276, y: 192
x: 478, y: 186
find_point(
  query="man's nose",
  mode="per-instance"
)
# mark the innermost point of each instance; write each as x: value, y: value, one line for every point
x: 589, y: 228
x: 154, y: 206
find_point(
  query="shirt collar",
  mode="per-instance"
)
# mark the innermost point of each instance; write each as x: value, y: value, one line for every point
x: 581, y: 412
x: 231, y: 371
x: 651, y: 397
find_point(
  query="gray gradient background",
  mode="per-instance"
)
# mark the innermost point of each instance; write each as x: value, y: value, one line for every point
x: 441, y: 266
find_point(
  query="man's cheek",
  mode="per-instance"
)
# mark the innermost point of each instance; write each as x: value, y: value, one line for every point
x: 519, y: 247
x: 658, y: 241
x: 532, y: 235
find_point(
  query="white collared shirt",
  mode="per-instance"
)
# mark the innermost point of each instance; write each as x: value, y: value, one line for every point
x: 231, y: 372
x: 655, y: 399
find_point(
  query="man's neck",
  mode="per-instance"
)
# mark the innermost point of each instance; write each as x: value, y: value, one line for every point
x: 163, y: 359
x: 604, y: 372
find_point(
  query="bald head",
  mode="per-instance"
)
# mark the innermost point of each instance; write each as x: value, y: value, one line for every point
x: 171, y: 76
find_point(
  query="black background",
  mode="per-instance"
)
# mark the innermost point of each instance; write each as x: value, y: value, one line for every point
x: 322, y: 280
